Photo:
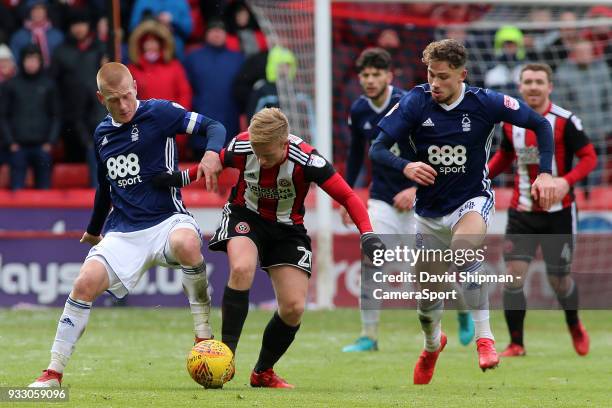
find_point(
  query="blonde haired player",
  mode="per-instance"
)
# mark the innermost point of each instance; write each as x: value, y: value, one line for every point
x: 264, y: 221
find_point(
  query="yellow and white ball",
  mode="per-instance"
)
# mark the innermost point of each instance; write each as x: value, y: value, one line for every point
x: 211, y: 363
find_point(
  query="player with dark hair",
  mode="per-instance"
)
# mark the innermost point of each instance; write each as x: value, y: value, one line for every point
x: 264, y: 220
x: 391, y: 194
x: 450, y: 128
x: 147, y: 226
x: 528, y: 221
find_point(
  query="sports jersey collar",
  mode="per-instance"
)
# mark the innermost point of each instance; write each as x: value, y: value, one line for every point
x: 547, y: 111
x: 117, y: 124
x: 384, y: 105
x: 457, y: 102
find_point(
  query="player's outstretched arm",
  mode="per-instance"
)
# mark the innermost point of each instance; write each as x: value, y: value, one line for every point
x: 419, y: 172
x: 543, y: 190
x: 210, y: 166
x: 214, y: 132
x: 370, y: 243
x: 177, y: 178
x: 380, y: 153
x: 339, y: 190
x: 323, y: 173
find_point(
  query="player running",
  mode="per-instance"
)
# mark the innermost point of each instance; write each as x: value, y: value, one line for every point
x: 525, y: 215
x: 450, y: 127
x: 264, y: 220
x: 147, y: 226
x: 391, y: 194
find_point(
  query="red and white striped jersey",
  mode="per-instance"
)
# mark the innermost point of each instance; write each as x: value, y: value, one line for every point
x: 569, y: 138
x: 278, y: 193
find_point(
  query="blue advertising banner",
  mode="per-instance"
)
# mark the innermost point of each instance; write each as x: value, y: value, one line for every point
x: 41, y: 271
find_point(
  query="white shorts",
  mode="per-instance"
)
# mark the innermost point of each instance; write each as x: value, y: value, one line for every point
x: 387, y: 219
x: 128, y: 255
x: 436, y: 233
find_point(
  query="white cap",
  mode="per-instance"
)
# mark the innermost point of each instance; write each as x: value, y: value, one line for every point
x: 5, y: 52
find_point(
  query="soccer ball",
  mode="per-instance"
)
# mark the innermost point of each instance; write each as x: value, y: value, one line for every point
x: 211, y: 363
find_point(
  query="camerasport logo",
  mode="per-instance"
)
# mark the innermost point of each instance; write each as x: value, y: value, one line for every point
x: 448, y: 159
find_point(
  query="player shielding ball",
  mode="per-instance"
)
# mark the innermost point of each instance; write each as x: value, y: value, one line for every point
x: 391, y: 195
x: 530, y: 225
x: 147, y: 226
x: 450, y: 127
x: 264, y: 221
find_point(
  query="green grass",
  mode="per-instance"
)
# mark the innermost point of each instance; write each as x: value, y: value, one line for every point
x: 136, y: 358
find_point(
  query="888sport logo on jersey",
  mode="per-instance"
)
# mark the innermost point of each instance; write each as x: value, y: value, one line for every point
x: 124, y: 169
x: 447, y: 159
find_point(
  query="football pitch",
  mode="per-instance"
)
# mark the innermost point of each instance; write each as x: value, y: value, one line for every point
x: 136, y: 358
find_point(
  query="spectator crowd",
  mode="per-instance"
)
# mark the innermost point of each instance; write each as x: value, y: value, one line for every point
x: 213, y: 58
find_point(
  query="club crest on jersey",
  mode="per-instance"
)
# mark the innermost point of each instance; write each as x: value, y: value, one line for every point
x: 316, y: 161
x: 242, y: 228
x: 511, y: 103
x: 284, y: 183
x: 466, y: 124
x: 134, y: 133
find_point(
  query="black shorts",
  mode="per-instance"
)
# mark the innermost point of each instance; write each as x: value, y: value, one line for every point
x: 277, y: 244
x: 552, y: 232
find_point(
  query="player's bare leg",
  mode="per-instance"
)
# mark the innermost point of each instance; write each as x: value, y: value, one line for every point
x: 185, y: 248
x: 242, y: 255
x: 430, y: 316
x: 91, y: 283
x: 515, y: 307
x: 567, y: 294
x: 469, y: 233
x: 291, y: 287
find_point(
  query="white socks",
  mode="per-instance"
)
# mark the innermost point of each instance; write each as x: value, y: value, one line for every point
x: 431, y: 324
x: 477, y: 299
x: 71, y: 325
x: 195, y: 285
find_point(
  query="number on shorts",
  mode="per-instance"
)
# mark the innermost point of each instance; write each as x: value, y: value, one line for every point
x: 306, y: 259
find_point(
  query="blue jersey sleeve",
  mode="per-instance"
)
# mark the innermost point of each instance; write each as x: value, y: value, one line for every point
x: 397, y: 125
x: 402, y: 118
x: 170, y: 117
x: 380, y: 153
x: 176, y: 119
x: 508, y: 109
